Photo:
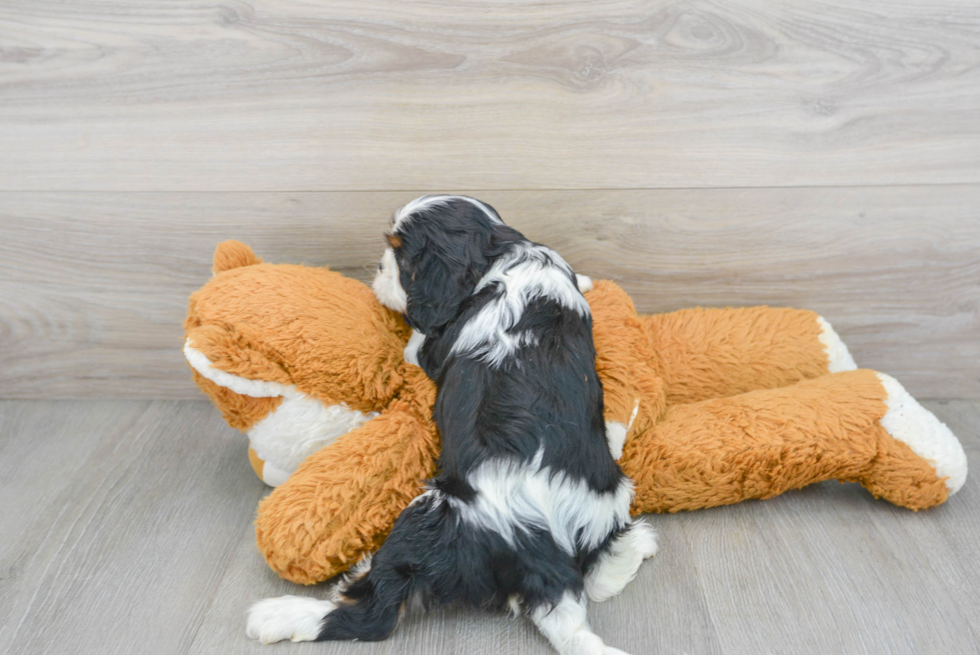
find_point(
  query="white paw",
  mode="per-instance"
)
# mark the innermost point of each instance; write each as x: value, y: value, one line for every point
x: 644, y: 539
x: 928, y: 437
x: 618, y: 566
x: 588, y: 644
x: 296, y: 618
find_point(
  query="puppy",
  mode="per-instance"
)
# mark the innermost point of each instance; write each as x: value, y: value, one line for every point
x: 529, y: 508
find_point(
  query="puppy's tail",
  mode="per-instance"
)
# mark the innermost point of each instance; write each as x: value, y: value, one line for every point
x: 416, y: 559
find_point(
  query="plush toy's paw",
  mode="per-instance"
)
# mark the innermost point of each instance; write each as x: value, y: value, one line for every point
x: 929, y: 438
x: 296, y: 618
x: 584, y: 283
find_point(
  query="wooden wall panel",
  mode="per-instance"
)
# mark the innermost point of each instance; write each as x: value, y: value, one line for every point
x: 284, y: 95
x: 93, y: 286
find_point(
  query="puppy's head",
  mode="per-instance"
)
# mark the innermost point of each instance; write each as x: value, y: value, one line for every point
x: 438, y: 249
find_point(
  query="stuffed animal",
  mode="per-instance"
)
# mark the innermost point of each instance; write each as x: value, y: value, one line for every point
x: 704, y: 407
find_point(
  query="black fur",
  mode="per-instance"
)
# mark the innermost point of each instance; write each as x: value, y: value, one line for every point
x: 544, y: 396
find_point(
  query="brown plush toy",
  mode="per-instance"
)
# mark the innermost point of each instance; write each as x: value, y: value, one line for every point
x: 706, y: 406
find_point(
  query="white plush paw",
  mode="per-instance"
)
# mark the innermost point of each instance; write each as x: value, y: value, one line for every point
x: 928, y: 437
x: 296, y: 618
x: 584, y: 283
x: 838, y: 356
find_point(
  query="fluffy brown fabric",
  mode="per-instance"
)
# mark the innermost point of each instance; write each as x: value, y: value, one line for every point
x: 730, y: 404
x: 761, y: 443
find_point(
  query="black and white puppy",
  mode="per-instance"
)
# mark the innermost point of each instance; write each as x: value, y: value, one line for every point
x: 529, y: 508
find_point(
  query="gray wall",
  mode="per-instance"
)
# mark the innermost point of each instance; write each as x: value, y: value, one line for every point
x: 823, y: 156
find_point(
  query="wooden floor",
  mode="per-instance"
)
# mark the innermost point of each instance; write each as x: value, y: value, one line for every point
x: 821, y: 154
x: 127, y: 528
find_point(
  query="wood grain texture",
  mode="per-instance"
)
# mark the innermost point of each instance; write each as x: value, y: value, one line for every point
x: 124, y: 515
x: 93, y: 286
x: 128, y: 525
x: 285, y: 95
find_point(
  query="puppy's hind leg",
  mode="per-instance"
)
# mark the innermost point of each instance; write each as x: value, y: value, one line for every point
x: 360, y: 611
x: 615, y: 567
x: 567, y: 627
x: 368, y: 605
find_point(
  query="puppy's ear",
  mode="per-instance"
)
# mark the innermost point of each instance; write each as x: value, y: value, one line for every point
x: 449, y: 254
x: 439, y: 287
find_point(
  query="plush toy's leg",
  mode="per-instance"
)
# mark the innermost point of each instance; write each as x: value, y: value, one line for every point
x: 343, y: 499
x: 855, y: 426
x: 714, y: 353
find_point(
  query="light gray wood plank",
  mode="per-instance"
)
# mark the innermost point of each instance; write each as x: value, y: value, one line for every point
x: 93, y: 286
x: 947, y: 536
x: 44, y: 460
x: 118, y: 542
x: 662, y: 611
x: 379, y: 94
x: 831, y: 569
x: 132, y: 528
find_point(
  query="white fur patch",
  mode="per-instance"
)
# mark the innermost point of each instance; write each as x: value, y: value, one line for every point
x: 618, y: 566
x: 387, y: 285
x: 512, y: 496
x: 361, y: 568
x: 425, y: 202
x: 301, y: 426
x: 566, y: 626
x: 616, y: 437
x: 927, y: 436
x: 296, y: 618
x: 413, y: 346
x: 838, y: 356
x: 526, y: 272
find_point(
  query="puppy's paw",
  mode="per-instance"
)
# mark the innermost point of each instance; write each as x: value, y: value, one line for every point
x: 587, y: 644
x: 296, y: 618
x: 644, y: 539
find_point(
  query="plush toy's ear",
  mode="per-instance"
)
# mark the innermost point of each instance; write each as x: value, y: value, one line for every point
x: 445, y: 269
x: 233, y: 254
